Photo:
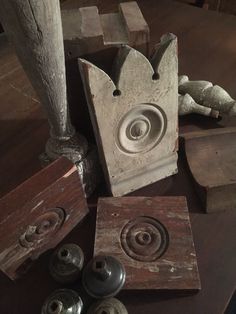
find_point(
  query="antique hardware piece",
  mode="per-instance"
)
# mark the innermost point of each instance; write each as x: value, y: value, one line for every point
x: 135, y: 117
x: 108, y: 306
x: 85, y: 31
x: 66, y: 263
x: 63, y: 301
x: 211, y: 157
x: 152, y: 238
x: 38, y: 214
x: 103, y: 277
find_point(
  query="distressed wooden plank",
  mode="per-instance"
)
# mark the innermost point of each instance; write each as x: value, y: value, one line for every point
x: 152, y: 238
x: 211, y: 156
x: 38, y: 214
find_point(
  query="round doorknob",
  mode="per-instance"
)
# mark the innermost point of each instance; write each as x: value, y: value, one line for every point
x: 66, y: 263
x: 108, y: 306
x: 63, y: 301
x: 103, y: 277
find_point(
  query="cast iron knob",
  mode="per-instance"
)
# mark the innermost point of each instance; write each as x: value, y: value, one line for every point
x: 103, y: 277
x: 108, y: 306
x: 66, y: 263
x: 63, y: 301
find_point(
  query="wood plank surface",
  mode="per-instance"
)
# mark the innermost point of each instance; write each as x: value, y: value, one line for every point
x: 207, y: 50
x: 152, y: 238
x: 211, y: 157
x: 38, y: 214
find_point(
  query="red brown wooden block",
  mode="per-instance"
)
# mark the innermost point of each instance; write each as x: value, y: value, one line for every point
x: 211, y: 156
x: 152, y: 237
x: 38, y: 214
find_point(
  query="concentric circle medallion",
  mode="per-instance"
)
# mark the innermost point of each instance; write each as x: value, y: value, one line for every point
x: 43, y: 227
x: 144, y: 239
x: 141, y: 129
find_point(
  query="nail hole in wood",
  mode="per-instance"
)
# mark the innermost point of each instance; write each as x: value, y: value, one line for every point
x: 116, y: 92
x: 155, y: 76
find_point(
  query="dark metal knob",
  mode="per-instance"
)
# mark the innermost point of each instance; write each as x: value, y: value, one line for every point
x: 108, y: 306
x: 63, y: 301
x: 103, y: 277
x: 66, y: 263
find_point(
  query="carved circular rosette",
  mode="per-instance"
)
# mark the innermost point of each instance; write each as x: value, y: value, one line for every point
x: 44, y: 226
x: 141, y: 129
x: 144, y: 239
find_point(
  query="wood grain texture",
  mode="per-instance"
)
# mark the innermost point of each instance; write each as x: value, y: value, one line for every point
x: 211, y: 156
x: 38, y: 214
x: 24, y: 130
x: 227, y: 6
x: 152, y: 238
x: 35, y: 30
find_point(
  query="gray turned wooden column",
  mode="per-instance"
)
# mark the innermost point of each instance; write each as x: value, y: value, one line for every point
x: 34, y: 27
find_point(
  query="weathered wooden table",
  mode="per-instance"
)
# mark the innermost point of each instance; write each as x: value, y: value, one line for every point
x: 207, y: 50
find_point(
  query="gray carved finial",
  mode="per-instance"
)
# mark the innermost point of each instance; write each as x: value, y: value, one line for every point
x: 208, y: 95
x: 187, y: 105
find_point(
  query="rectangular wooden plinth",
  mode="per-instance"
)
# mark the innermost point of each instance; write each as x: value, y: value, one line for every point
x: 128, y: 182
x: 152, y: 238
x: 38, y: 214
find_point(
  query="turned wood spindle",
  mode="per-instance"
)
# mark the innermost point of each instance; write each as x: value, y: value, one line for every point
x: 34, y: 27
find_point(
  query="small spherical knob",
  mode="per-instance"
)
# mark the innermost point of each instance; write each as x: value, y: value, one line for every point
x: 63, y: 301
x: 104, y: 276
x: 66, y: 263
x: 108, y: 306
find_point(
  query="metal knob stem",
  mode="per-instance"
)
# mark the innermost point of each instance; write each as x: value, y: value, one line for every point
x: 103, y: 277
x: 101, y: 269
x: 66, y: 263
